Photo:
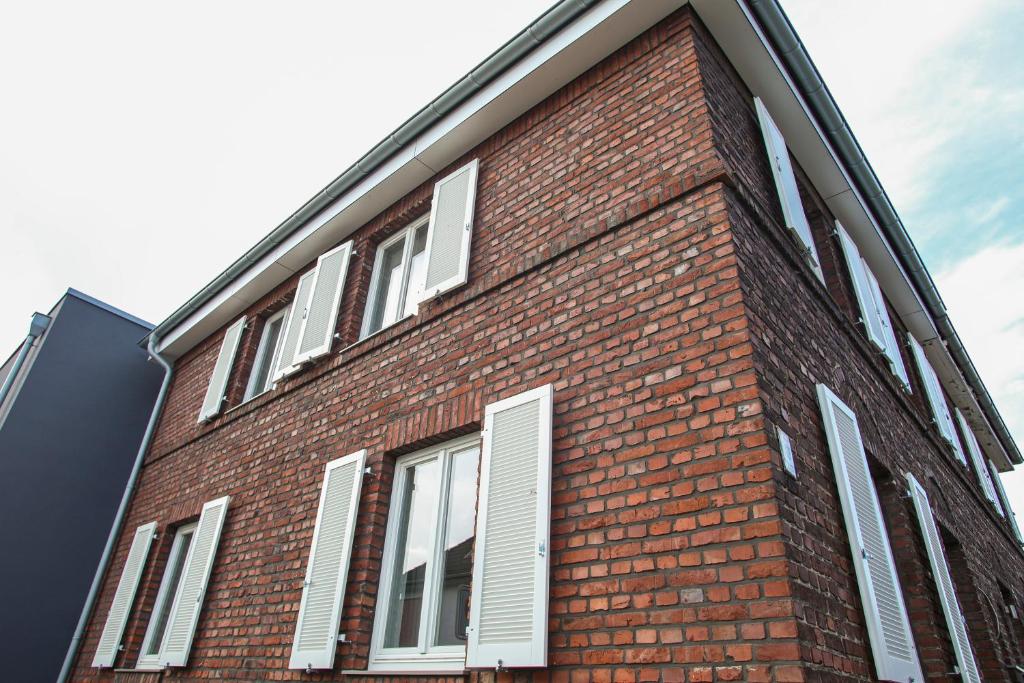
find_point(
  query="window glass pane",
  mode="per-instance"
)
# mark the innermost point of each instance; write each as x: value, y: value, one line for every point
x: 172, y: 575
x: 387, y: 287
x: 412, y: 553
x: 417, y: 270
x: 268, y: 346
x: 453, y: 614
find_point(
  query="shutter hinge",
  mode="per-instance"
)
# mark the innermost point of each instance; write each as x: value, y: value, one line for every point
x: 541, y: 548
x: 865, y: 554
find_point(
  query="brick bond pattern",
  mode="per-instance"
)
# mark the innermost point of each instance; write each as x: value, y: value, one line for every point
x: 627, y: 249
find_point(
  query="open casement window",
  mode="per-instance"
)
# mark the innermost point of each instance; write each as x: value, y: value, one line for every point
x: 936, y: 399
x: 450, y: 232
x: 323, y: 591
x: 979, y: 461
x: 398, y: 273
x: 785, y: 184
x: 892, y: 643
x: 423, y: 609
x: 191, y: 589
x: 286, y: 363
x: 944, y: 583
x: 1007, y: 508
x: 508, y: 619
x: 321, y: 313
x: 222, y: 370
x: 150, y: 656
x: 124, y: 596
x: 267, y: 355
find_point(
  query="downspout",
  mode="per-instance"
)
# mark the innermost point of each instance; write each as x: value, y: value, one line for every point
x: 122, y: 511
x: 35, y: 330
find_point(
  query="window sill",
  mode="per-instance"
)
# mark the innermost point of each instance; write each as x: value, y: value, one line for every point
x: 404, y: 672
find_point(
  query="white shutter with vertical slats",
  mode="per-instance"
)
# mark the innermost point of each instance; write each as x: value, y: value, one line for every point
x: 124, y: 596
x: 450, y: 232
x: 293, y: 327
x: 509, y: 602
x: 188, y: 600
x: 785, y: 184
x: 316, y: 629
x: 222, y: 370
x: 892, y: 643
x: 892, y: 347
x: 944, y: 583
x: 862, y: 287
x: 322, y: 311
x: 936, y: 399
x: 978, y: 459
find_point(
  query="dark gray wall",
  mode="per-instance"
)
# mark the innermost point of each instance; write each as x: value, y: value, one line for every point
x: 66, y: 450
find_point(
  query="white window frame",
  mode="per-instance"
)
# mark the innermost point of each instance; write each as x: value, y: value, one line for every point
x: 152, y: 662
x: 423, y: 658
x: 251, y: 390
x: 407, y: 288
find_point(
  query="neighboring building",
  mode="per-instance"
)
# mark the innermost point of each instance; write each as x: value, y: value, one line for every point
x: 76, y: 398
x: 634, y: 276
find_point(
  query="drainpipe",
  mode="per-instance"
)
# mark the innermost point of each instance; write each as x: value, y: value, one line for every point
x: 122, y: 511
x: 35, y: 330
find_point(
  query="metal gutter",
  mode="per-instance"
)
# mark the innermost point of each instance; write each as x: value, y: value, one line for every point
x: 793, y: 54
x: 484, y: 73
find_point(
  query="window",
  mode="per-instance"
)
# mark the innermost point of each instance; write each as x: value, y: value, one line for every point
x: 149, y: 658
x: 271, y: 341
x: 397, y: 275
x: 423, y: 612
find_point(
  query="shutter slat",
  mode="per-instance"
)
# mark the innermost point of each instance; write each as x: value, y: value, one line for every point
x: 509, y: 604
x: 325, y: 296
x: 222, y: 370
x: 450, y: 232
x: 978, y: 459
x: 944, y: 583
x: 316, y: 629
x: 892, y: 642
x: 293, y: 326
x: 188, y: 599
x: 124, y: 596
x: 936, y: 399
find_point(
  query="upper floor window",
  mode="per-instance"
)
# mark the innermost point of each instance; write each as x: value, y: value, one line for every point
x: 398, y: 276
x: 267, y: 355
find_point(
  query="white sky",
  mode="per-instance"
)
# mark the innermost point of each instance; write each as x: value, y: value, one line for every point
x: 144, y: 148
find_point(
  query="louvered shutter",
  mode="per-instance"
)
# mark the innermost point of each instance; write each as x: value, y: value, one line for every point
x: 936, y: 399
x: 892, y: 643
x: 978, y: 459
x: 1007, y: 508
x: 450, y: 232
x: 509, y: 602
x: 222, y: 370
x: 322, y: 311
x: 188, y: 600
x: 892, y: 347
x: 944, y: 583
x: 316, y: 630
x: 293, y: 327
x: 785, y: 184
x: 124, y: 596
x: 862, y: 288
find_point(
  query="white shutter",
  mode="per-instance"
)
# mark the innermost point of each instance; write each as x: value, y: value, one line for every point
x: 450, y: 231
x: 325, y: 296
x: 862, y: 288
x: 892, y: 643
x: 222, y: 370
x: 978, y: 459
x: 293, y: 327
x: 1007, y: 508
x: 936, y: 399
x: 316, y: 630
x: 944, y: 583
x: 124, y: 596
x: 892, y: 347
x: 188, y: 600
x: 509, y: 602
x: 785, y: 184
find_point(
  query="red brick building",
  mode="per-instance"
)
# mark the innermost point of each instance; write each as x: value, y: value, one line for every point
x: 613, y: 364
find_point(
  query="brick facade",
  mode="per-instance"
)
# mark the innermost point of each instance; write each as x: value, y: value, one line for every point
x: 627, y: 249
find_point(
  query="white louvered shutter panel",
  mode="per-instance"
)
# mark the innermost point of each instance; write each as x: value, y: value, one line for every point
x: 293, y: 326
x: 892, y: 643
x: 1007, y: 508
x: 785, y: 184
x: 188, y: 600
x: 222, y: 370
x: 978, y: 459
x: 936, y: 399
x: 450, y: 231
x: 322, y: 311
x: 509, y: 602
x: 862, y: 288
x: 316, y: 630
x: 944, y: 583
x: 124, y: 596
x: 892, y: 347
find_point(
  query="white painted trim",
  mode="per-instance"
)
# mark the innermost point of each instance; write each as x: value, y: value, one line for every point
x: 261, y: 352
x: 152, y: 662
x: 409, y: 234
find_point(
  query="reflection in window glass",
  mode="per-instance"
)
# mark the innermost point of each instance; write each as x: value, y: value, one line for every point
x: 397, y: 278
x: 165, y: 598
x: 457, y: 557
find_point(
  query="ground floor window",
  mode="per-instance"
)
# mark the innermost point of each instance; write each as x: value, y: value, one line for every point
x: 149, y: 659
